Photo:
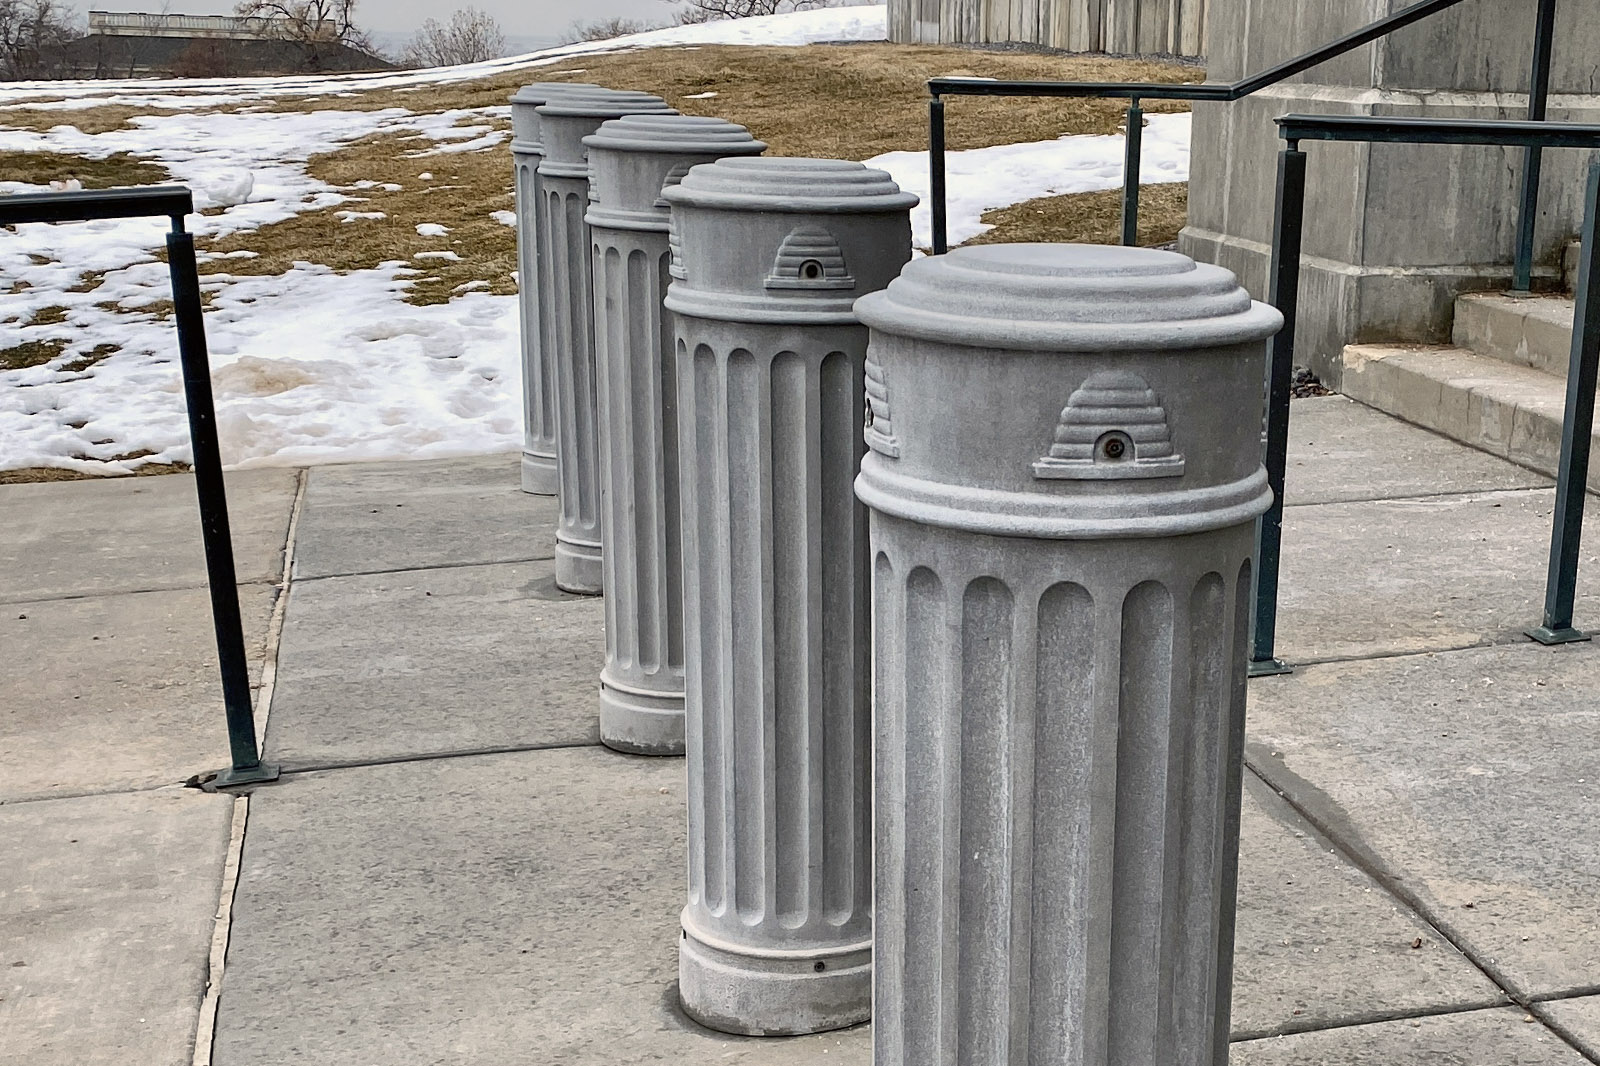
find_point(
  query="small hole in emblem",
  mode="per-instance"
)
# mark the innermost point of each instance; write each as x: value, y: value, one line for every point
x: 1114, y: 447
x: 811, y: 270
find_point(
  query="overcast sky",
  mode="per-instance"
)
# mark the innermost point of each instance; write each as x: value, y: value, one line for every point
x: 521, y: 18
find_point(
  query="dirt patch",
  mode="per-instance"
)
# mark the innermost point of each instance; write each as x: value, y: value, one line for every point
x: 1090, y: 218
x: 41, y: 168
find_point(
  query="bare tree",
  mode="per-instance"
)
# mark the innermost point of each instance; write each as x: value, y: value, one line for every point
x: 33, y: 39
x: 316, y: 27
x: 692, y: 11
x: 471, y: 36
x: 603, y: 29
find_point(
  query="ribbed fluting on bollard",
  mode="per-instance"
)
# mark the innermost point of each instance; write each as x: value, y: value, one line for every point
x: 644, y: 611
x: 571, y: 307
x: 1080, y: 913
x: 804, y: 865
x: 539, y: 424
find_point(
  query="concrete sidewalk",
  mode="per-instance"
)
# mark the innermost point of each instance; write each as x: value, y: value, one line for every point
x: 453, y: 871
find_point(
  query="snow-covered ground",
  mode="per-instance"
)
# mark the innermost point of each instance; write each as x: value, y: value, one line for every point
x: 316, y: 366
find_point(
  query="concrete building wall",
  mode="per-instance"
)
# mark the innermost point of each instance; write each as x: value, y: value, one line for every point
x: 1124, y: 27
x: 1393, y: 232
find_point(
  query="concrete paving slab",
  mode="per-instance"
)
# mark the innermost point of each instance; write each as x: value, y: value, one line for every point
x: 560, y: 872
x: 1319, y: 943
x: 1483, y: 1038
x: 510, y: 908
x: 106, y: 916
x: 421, y: 662
x: 1578, y: 1020
x: 370, y: 517
x: 78, y: 538
x: 1397, y: 576
x: 1340, y: 451
x: 116, y: 692
x: 1470, y: 778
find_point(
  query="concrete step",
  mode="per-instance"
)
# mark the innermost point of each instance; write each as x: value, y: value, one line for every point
x: 1498, y: 407
x: 1530, y: 331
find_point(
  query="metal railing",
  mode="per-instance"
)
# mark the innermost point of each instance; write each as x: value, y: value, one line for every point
x: 175, y: 202
x: 1582, y: 373
x: 1136, y: 93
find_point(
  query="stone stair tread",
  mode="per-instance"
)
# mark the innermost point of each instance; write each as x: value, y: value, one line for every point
x: 1531, y: 331
x: 1512, y: 411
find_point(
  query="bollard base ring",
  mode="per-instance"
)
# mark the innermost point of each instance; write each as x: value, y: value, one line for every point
x: 578, y: 569
x: 539, y: 475
x: 756, y: 992
x: 640, y: 723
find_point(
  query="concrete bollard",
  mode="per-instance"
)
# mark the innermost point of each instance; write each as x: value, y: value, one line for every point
x: 1064, y: 475
x: 778, y: 928
x: 564, y: 122
x: 538, y: 417
x: 631, y: 160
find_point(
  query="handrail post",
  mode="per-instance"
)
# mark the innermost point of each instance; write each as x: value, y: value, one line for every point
x: 1533, y: 157
x: 247, y: 766
x: 1577, y: 428
x: 936, y: 187
x: 1130, y: 173
x: 1285, y: 296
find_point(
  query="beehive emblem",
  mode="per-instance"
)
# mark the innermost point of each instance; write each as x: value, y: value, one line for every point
x: 1112, y: 428
x: 809, y: 258
x: 879, y: 431
x: 675, y: 176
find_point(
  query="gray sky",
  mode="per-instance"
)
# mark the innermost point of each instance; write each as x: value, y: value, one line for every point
x: 520, y: 18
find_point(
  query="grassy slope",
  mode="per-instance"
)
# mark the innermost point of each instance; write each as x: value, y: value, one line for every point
x: 842, y: 101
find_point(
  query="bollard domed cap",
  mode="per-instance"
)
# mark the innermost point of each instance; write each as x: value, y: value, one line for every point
x: 604, y: 103
x: 1068, y: 297
x: 776, y: 183
x: 540, y: 92
x: 524, y: 109
x: 678, y: 134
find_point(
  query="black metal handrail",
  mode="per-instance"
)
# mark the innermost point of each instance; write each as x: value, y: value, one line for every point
x: 1137, y: 92
x: 175, y: 202
x: 1582, y: 373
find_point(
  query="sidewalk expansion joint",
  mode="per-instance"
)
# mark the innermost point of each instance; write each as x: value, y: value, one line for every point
x: 67, y: 597
x: 423, y: 569
x: 222, y: 931
x: 1376, y: 1017
x: 1359, y: 856
x: 436, y: 756
x: 1290, y: 505
x: 1508, y: 639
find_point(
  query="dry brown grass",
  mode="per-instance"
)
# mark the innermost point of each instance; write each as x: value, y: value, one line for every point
x: 41, y: 168
x: 1090, y: 218
x: 849, y: 102
x: 464, y: 189
x: 31, y: 353
x: 91, y: 120
x: 33, y: 475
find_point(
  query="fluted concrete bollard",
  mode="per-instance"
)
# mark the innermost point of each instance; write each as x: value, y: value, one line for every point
x: 564, y: 175
x: 1064, y: 475
x: 777, y: 932
x: 538, y: 415
x: 631, y: 160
